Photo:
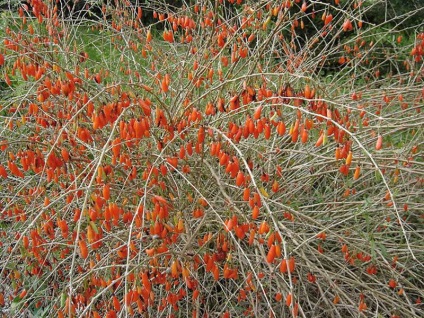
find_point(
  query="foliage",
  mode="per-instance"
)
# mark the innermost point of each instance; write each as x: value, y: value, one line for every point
x: 231, y: 158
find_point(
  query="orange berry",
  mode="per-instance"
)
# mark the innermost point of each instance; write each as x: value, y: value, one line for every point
x: 283, y: 266
x: 106, y: 191
x: 255, y: 212
x: 240, y: 179
x: 83, y: 249
x: 257, y: 113
x: 288, y: 300
x: 271, y: 254
x: 292, y: 264
x: 379, y: 142
x: 336, y: 300
x: 392, y: 283
x: 357, y: 173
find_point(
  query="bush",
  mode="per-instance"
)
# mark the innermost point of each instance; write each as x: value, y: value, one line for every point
x: 232, y: 158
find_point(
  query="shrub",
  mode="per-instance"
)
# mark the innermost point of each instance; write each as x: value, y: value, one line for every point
x: 205, y: 164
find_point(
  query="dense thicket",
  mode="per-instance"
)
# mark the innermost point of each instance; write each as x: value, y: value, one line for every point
x: 211, y: 158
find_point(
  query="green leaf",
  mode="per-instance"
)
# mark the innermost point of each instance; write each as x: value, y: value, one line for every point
x: 383, y: 250
x: 93, y: 225
x: 16, y: 303
x: 373, y: 253
x: 62, y: 299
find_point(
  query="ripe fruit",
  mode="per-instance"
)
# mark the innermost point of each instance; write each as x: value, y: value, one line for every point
x: 255, y: 212
x: 240, y: 179
x: 246, y: 194
x: 106, y: 191
x: 292, y: 264
x: 328, y: 18
x: 307, y: 92
x: 288, y: 300
x: 311, y: 278
x: 23, y: 294
x: 116, y: 303
x: 349, y: 158
x: 357, y: 173
x: 278, y: 296
x: 320, y: 140
x: 336, y: 299
x: 281, y: 128
x: 98, y: 78
x: 257, y: 113
x: 271, y: 254
x: 379, y: 143
x: 362, y: 306
x: 283, y: 266
x: 83, y: 249
x: 149, y: 36
x: 347, y: 25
